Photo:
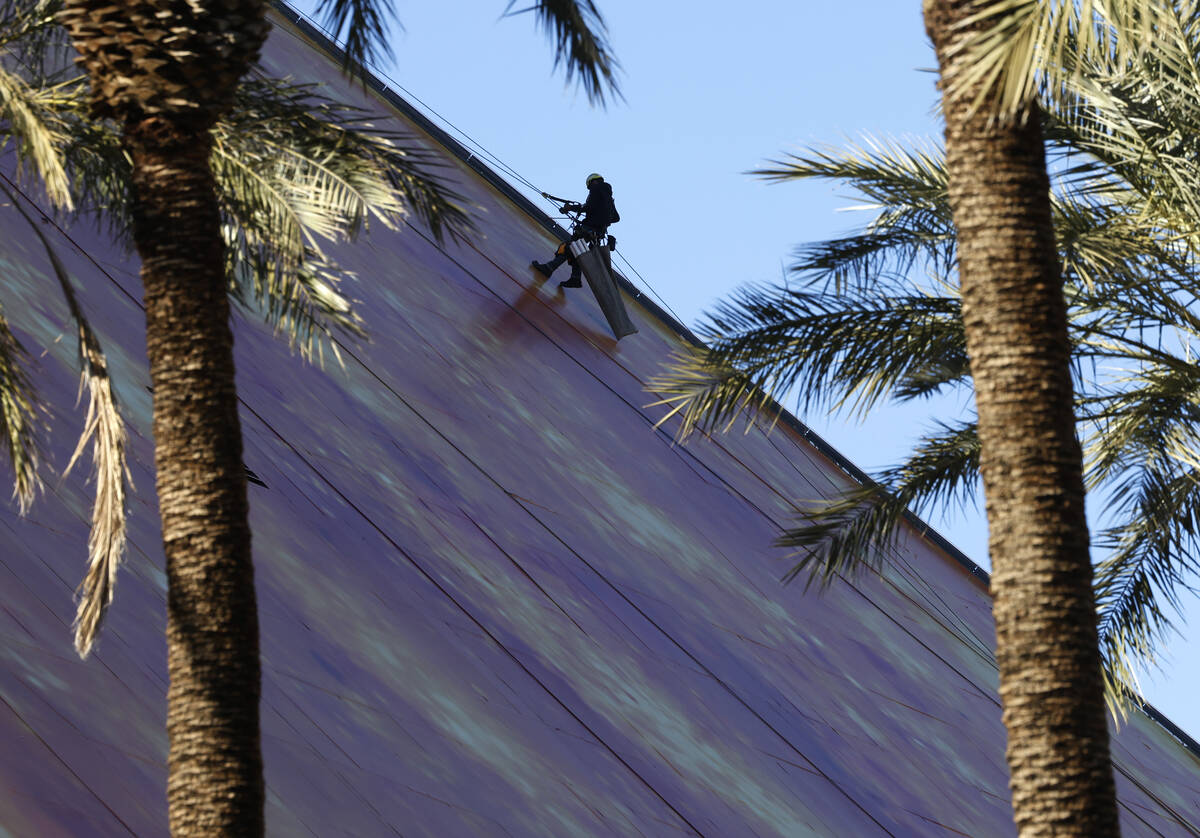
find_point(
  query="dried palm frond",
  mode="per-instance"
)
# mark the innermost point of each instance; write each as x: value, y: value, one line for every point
x: 106, y: 541
x: 18, y: 418
x: 105, y: 429
x: 29, y: 118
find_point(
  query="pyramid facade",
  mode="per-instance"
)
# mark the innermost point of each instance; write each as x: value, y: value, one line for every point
x: 495, y: 599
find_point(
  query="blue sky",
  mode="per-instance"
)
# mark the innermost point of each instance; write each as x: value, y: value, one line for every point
x: 709, y: 96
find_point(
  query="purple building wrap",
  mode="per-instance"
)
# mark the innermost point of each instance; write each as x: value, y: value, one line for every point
x: 495, y: 601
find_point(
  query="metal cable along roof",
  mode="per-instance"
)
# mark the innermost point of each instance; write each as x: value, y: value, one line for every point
x: 495, y: 601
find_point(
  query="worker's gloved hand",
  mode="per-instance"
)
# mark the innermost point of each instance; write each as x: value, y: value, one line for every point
x: 571, y: 206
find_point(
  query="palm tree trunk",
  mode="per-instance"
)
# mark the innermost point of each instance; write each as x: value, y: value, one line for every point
x: 215, y: 784
x: 1014, y: 315
x: 166, y: 72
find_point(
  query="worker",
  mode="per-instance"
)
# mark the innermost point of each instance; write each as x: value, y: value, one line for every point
x: 598, y: 212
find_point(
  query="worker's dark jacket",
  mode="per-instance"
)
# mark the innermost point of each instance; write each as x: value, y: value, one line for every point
x: 599, y: 210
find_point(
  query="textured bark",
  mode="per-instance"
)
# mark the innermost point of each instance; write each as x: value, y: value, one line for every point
x: 167, y: 69
x: 1014, y: 315
x: 215, y: 784
x: 180, y: 58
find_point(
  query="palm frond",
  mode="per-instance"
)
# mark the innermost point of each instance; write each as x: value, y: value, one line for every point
x: 905, y: 187
x: 1147, y: 417
x: 18, y: 417
x: 854, y: 531
x: 883, y: 170
x: 105, y: 429
x: 1122, y: 121
x: 30, y: 121
x: 1015, y: 51
x: 301, y: 302
x: 1133, y: 136
x: 706, y: 394
x: 106, y: 541
x: 1152, y: 559
x: 251, y: 191
x: 878, y: 259
x: 363, y: 26
x: 97, y: 166
x: 822, y: 348
x: 295, y: 169
x: 29, y: 31
x: 580, y: 38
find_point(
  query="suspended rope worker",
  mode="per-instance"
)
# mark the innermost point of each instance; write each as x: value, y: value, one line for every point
x: 598, y: 211
x: 590, y: 253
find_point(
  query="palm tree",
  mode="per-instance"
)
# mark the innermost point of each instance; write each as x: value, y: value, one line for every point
x: 1014, y: 320
x: 166, y: 75
x: 288, y: 169
x: 862, y: 328
x: 1010, y: 321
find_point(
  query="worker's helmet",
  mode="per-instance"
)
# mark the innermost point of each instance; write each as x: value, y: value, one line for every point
x: 591, y: 177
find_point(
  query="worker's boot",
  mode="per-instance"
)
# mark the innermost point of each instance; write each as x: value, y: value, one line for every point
x: 573, y: 281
